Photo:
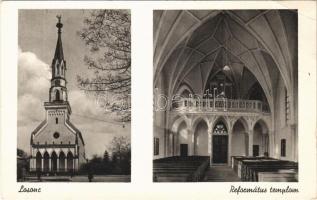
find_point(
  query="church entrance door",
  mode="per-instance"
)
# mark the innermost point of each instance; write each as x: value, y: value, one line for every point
x: 46, y: 162
x: 220, y: 148
x: 54, y: 161
x: 184, y: 149
x: 38, y: 161
x: 69, y: 161
x: 62, y: 162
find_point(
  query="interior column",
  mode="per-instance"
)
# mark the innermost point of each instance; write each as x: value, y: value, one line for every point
x: 177, y: 145
x: 191, y: 144
x: 229, y: 146
x: 294, y: 142
x: 210, y: 145
x: 250, y: 137
x: 271, y: 144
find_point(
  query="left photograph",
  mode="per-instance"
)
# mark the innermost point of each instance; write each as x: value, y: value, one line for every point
x: 74, y: 104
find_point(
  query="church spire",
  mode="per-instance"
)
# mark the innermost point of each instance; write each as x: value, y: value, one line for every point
x: 59, y: 47
x: 58, y: 90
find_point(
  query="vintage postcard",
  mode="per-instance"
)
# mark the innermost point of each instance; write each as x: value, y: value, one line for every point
x: 158, y: 100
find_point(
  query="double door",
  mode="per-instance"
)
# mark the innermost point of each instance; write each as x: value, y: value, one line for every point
x: 220, y: 149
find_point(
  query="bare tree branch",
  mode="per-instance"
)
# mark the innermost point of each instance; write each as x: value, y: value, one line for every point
x: 107, y: 33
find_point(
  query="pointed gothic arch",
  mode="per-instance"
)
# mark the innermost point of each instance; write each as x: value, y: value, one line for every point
x: 176, y: 121
x: 54, y: 161
x: 38, y: 161
x: 222, y: 120
x: 46, y: 159
x: 201, y: 137
x: 239, y: 140
x: 70, y: 161
x: 62, y: 161
x: 261, y: 139
x: 220, y: 141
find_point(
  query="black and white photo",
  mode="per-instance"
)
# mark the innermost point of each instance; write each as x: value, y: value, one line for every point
x: 225, y: 96
x: 75, y: 63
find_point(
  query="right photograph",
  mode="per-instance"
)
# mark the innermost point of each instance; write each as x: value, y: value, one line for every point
x: 225, y: 95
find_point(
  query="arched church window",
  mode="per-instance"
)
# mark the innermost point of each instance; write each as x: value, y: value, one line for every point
x: 56, y: 120
x: 57, y: 95
x: 220, y: 128
x: 57, y: 69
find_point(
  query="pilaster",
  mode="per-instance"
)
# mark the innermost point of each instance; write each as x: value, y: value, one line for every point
x: 250, y: 143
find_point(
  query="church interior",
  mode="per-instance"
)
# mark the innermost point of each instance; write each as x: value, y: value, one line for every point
x: 225, y: 95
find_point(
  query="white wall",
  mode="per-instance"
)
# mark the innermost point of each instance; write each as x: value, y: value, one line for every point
x: 159, y: 122
x: 281, y: 129
x: 238, y: 141
x: 201, y: 139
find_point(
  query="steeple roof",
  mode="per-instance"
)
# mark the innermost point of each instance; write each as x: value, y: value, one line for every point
x: 59, y: 55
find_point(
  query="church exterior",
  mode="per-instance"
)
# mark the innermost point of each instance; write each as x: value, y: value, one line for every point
x: 56, y: 144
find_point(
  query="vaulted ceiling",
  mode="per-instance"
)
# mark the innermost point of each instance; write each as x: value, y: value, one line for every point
x: 190, y: 45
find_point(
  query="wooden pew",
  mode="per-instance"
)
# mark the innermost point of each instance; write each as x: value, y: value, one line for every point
x: 280, y: 176
x: 251, y: 168
x: 179, y: 169
x: 237, y: 162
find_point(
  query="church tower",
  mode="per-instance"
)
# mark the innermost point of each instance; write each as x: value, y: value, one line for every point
x: 58, y: 90
x: 56, y: 144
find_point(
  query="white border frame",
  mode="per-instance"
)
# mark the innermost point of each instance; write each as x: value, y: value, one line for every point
x: 142, y: 186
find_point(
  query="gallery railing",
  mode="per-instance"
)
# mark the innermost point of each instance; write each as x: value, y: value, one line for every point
x: 220, y: 104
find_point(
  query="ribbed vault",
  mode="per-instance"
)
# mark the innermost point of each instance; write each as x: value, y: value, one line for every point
x: 191, y: 45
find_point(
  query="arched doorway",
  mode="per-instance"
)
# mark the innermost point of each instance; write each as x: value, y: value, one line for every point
x: 62, y: 161
x: 220, y: 143
x: 179, y: 124
x: 69, y: 161
x: 46, y: 162
x: 201, y: 139
x: 54, y: 161
x: 38, y: 161
x: 239, y: 140
x: 183, y: 139
x: 260, y: 139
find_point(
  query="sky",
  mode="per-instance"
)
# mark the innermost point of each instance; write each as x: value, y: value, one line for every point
x: 37, y: 42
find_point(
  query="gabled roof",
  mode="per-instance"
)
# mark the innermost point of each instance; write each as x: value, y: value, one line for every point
x: 76, y: 130
x: 42, y: 124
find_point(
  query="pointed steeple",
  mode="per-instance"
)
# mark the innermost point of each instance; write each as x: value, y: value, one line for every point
x: 58, y: 90
x: 59, y: 55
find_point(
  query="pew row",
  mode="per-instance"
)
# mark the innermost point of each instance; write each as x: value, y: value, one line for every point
x: 180, y: 169
x: 265, y: 169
